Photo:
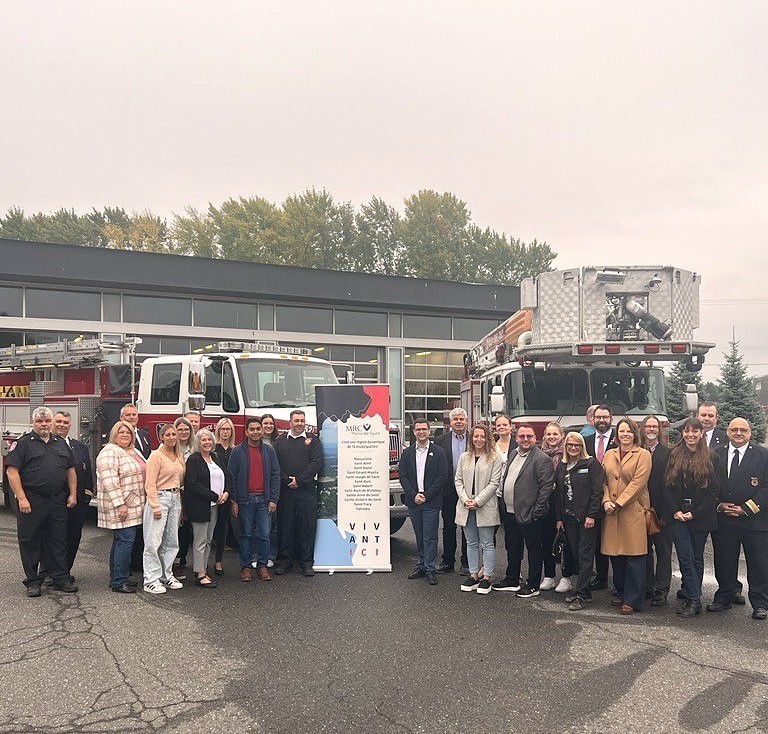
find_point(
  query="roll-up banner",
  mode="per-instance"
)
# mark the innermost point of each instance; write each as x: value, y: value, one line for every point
x: 353, y: 512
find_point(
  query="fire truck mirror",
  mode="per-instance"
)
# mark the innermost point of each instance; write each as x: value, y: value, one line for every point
x: 497, y: 399
x: 196, y: 385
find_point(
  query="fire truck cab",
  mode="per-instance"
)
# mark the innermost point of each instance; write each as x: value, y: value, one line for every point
x: 582, y: 337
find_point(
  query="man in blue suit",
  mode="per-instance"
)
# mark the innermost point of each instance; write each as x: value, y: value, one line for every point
x: 423, y: 472
x: 743, y: 520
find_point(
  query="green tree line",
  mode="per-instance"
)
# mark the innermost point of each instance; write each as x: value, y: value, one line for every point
x: 434, y: 237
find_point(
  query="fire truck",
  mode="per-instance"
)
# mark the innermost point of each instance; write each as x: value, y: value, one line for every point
x: 94, y: 379
x: 585, y: 336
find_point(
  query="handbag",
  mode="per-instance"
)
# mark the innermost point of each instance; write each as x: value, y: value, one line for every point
x: 652, y: 524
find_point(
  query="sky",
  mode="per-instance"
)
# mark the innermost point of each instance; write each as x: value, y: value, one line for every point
x: 618, y: 133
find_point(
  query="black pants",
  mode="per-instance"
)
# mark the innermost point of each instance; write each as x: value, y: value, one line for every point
x: 601, y: 561
x: 449, y: 532
x: 297, y: 520
x: 137, y: 552
x: 582, y: 544
x: 75, y: 520
x: 221, y: 531
x: 42, y: 534
x: 658, y: 569
x: 729, y: 539
x: 517, y: 536
x: 185, y: 540
x: 548, y: 535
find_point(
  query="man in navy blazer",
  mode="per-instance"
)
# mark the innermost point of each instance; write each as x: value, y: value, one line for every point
x: 743, y: 520
x: 714, y: 436
x: 423, y: 473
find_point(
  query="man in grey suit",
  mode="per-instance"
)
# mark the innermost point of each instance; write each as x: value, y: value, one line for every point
x: 525, y: 490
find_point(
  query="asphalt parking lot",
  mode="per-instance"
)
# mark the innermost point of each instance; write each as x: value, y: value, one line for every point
x: 359, y: 653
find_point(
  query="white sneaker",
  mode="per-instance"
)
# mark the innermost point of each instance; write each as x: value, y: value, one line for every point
x: 565, y: 585
x: 155, y: 588
x: 547, y: 584
x: 270, y: 564
x: 172, y: 583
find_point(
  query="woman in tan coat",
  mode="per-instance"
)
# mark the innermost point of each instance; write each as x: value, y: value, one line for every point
x: 625, y: 499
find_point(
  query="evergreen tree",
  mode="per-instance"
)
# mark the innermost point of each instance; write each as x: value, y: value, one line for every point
x: 737, y: 394
x: 675, y: 384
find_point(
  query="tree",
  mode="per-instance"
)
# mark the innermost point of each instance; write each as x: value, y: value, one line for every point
x: 679, y: 376
x: 316, y: 232
x: 738, y: 398
x: 378, y: 244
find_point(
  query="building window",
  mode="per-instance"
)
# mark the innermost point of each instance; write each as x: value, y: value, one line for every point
x: 432, y: 384
x: 8, y: 338
x: 472, y: 330
x: 111, y: 307
x: 266, y: 317
x: 363, y: 323
x: 151, y: 310
x: 298, y: 318
x: 166, y: 384
x: 395, y: 325
x: 45, y: 304
x: 174, y: 345
x: 225, y: 315
x: 426, y: 327
x: 150, y: 346
x: 11, y: 301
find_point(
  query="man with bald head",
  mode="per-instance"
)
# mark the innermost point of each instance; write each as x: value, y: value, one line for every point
x: 743, y: 520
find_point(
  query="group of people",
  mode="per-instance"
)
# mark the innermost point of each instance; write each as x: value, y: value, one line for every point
x: 160, y: 503
x: 608, y: 493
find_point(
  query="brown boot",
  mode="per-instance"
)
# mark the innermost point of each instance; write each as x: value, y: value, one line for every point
x: 263, y: 574
x: 245, y: 574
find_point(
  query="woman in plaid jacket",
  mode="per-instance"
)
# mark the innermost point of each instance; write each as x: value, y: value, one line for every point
x: 120, y: 501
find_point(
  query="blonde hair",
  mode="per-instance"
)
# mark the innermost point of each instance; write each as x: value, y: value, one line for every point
x: 117, y: 427
x: 217, y: 438
x: 161, y: 429
x: 490, y: 441
x: 573, y: 436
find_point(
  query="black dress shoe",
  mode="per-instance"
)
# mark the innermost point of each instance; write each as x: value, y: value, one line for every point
x: 280, y: 570
x: 739, y: 599
x: 417, y: 573
x: 444, y: 568
x: 124, y: 589
x: 34, y: 591
x: 718, y: 606
x: 48, y: 582
x: 67, y: 587
x: 432, y: 579
x: 308, y: 571
x: 598, y: 584
x: 133, y: 584
x: 760, y: 613
x: 659, y: 600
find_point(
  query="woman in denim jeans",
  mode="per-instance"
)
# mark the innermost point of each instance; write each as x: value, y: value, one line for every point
x: 690, y: 504
x: 165, y: 477
x: 477, y: 478
x: 120, y: 501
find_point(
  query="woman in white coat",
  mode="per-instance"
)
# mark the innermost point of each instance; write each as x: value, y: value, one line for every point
x: 477, y: 478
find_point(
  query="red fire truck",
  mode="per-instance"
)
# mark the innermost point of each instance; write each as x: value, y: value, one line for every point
x: 93, y: 380
x: 585, y: 336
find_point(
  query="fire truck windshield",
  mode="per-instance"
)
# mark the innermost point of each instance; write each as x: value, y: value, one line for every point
x: 559, y: 392
x: 282, y: 383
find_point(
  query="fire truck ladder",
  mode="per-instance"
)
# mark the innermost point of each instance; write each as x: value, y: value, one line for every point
x: 60, y: 354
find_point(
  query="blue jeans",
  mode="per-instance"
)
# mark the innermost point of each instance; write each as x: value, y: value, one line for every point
x: 254, y: 531
x: 120, y: 556
x: 629, y: 579
x: 425, y: 521
x: 475, y: 538
x: 689, y: 545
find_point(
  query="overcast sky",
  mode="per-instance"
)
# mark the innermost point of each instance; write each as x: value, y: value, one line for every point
x: 618, y: 133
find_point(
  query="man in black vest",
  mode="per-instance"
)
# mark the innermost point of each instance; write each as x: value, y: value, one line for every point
x: 423, y: 470
x: 743, y: 520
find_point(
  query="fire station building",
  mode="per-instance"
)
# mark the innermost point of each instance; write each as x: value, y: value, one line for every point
x: 408, y: 332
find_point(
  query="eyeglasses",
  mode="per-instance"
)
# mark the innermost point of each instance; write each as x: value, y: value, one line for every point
x: 573, y: 445
x: 739, y: 430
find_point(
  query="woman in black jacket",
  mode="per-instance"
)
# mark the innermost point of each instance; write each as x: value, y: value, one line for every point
x: 578, y: 491
x: 204, y: 491
x: 224, y: 436
x: 690, y: 505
